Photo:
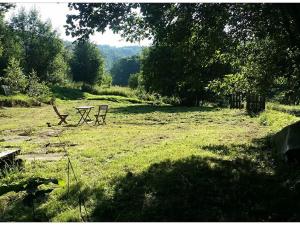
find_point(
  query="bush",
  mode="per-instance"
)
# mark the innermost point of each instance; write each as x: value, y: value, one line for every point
x: 171, y: 100
x: 157, y: 99
x: 14, y: 77
x: 133, y: 80
x: 37, y: 89
x: 89, y: 88
x: 106, y: 80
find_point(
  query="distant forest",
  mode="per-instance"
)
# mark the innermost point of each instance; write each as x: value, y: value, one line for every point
x: 113, y: 54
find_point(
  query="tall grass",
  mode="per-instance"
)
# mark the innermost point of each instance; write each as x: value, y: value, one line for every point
x: 117, y: 90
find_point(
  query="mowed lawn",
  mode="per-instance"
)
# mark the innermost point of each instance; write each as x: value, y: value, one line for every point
x: 152, y: 163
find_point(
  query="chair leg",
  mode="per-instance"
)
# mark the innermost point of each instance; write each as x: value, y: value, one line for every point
x: 63, y: 120
x: 97, y: 120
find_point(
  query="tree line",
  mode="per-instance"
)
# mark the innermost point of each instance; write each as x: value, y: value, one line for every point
x: 202, y: 52
x: 113, y: 54
x: 34, y: 58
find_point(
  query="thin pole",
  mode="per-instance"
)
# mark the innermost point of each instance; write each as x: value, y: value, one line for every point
x: 68, y: 176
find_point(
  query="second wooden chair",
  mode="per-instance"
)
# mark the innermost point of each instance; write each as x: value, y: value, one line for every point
x: 101, y: 114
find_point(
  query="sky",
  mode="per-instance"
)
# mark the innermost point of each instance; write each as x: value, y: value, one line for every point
x: 56, y: 12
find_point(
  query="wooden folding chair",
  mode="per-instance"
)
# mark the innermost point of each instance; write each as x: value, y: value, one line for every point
x: 101, y: 114
x: 62, y: 117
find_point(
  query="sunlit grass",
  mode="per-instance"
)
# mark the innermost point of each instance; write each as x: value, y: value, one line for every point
x: 136, y: 138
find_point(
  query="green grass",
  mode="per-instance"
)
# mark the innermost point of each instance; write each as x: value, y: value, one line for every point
x: 117, y: 90
x: 18, y: 100
x: 291, y: 109
x: 152, y: 163
x: 112, y: 98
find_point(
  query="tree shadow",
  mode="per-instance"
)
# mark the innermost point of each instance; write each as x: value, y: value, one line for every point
x: 29, y: 194
x: 247, y: 187
x: 259, y: 148
x: 140, y: 109
x: 202, y: 189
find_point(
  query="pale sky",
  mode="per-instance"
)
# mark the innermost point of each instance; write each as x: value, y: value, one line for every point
x: 56, y: 12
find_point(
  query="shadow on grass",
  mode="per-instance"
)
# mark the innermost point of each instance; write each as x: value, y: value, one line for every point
x: 31, y: 193
x: 197, y: 189
x: 259, y: 148
x: 139, y: 109
x: 201, y: 189
x: 67, y: 93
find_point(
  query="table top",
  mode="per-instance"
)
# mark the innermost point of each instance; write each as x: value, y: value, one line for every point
x: 84, y: 107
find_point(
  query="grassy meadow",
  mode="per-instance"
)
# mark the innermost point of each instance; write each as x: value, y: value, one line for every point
x: 151, y: 163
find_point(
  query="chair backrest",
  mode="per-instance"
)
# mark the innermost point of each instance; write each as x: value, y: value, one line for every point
x: 102, y: 110
x: 56, y: 110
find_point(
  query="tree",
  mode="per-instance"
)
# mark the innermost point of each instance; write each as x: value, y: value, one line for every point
x: 87, y: 64
x: 106, y: 80
x: 134, y: 80
x: 10, y: 46
x: 14, y: 77
x: 42, y: 47
x: 186, y: 39
x: 122, y: 69
x: 4, y: 7
x: 37, y: 88
x: 263, y: 41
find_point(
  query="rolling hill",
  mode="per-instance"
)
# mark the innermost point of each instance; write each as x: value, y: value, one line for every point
x: 112, y: 54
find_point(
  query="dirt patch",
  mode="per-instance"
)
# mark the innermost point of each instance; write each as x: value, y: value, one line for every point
x: 42, y: 156
x: 151, y: 140
x: 50, y: 133
x: 26, y: 132
x: 9, y: 131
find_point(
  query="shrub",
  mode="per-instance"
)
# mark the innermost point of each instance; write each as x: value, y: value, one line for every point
x: 171, y: 100
x: 133, y: 80
x: 14, y: 77
x: 106, y: 80
x: 89, y: 88
x: 37, y: 89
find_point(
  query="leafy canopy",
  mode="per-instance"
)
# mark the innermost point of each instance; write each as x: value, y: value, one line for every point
x: 87, y: 64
